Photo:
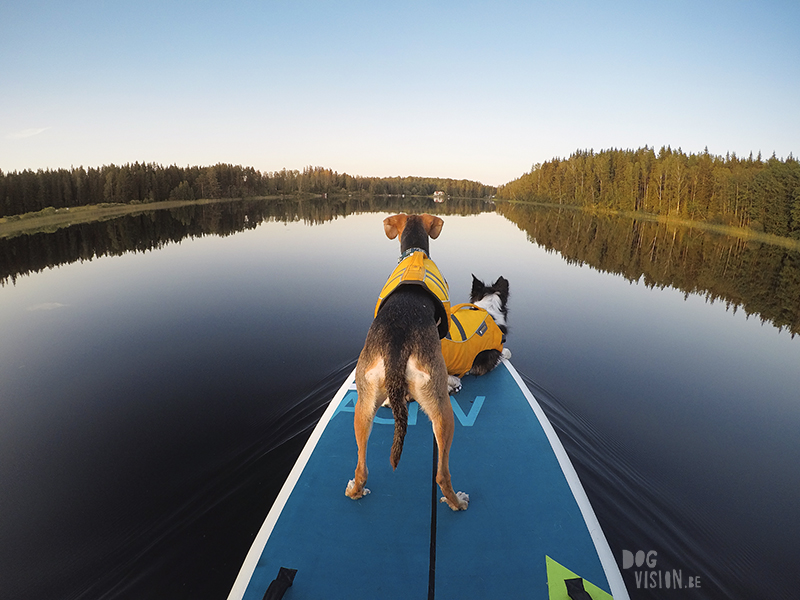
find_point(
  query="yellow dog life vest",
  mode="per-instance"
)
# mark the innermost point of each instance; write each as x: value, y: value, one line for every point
x: 472, y: 330
x: 418, y: 269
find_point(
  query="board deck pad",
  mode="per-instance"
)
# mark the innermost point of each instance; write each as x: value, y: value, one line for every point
x: 528, y: 518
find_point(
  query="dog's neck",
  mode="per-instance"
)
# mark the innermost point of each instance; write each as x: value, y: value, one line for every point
x: 414, y: 237
x: 494, y: 306
x: 409, y: 252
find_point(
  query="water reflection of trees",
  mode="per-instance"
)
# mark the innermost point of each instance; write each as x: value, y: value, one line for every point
x: 760, y: 278
x: 153, y: 229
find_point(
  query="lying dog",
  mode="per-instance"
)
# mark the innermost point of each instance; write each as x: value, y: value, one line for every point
x: 474, y: 342
x: 402, y: 355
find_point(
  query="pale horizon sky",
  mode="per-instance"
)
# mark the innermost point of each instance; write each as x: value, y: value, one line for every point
x: 463, y: 90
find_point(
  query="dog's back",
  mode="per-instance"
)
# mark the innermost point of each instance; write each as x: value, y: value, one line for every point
x: 403, y: 329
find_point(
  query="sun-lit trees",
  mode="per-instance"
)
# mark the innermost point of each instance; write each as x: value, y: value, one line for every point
x: 748, y: 192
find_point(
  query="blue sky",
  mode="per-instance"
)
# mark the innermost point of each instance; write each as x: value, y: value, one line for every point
x: 474, y: 90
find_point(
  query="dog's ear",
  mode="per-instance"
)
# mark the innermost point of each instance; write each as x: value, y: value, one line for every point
x: 394, y: 225
x: 501, y: 285
x: 478, y: 289
x: 433, y: 225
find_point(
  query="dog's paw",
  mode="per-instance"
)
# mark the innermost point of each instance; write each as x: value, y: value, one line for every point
x: 351, y: 493
x: 453, y: 384
x: 505, y: 354
x: 463, y: 501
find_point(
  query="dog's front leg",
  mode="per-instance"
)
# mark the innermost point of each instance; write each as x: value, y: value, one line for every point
x: 453, y: 384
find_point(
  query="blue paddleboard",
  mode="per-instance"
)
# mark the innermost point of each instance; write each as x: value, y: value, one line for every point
x: 529, y: 531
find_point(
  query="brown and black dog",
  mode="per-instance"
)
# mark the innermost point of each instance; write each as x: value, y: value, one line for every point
x: 402, y: 359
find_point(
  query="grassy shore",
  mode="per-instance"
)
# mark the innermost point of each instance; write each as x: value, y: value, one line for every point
x: 743, y: 233
x: 51, y: 219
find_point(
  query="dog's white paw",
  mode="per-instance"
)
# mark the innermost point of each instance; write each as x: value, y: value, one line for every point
x: 505, y: 354
x: 463, y: 501
x: 349, y: 490
x: 453, y: 384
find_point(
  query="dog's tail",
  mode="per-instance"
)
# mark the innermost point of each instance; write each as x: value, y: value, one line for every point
x: 397, y: 391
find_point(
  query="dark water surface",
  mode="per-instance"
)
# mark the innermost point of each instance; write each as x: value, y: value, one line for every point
x: 152, y: 402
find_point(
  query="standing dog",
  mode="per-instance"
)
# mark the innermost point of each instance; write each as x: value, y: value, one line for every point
x: 474, y: 342
x: 402, y: 355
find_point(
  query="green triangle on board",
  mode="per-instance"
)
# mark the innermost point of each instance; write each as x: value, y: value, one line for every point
x: 558, y: 573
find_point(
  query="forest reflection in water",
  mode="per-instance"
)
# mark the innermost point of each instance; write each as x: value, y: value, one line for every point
x: 760, y: 278
x: 153, y: 229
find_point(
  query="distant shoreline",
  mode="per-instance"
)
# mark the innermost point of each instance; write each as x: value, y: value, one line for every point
x: 51, y: 219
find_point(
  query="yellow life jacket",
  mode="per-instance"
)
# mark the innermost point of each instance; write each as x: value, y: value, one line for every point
x: 472, y: 330
x: 418, y: 269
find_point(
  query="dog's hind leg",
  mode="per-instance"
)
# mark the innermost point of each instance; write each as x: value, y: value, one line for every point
x: 443, y: 428
x: 430, y: 392
x: 369, y: 399
x: 362, y: 422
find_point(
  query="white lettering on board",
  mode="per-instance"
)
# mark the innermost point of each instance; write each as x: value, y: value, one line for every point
x: 467, y: 419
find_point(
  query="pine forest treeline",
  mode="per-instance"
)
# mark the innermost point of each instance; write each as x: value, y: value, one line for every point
x: 31, y: 191
x: 763, y: 195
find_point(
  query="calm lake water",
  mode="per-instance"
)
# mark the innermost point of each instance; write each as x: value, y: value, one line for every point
x: 159, y: 377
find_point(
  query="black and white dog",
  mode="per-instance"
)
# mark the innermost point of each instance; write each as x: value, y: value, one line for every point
x: 475, y: 342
